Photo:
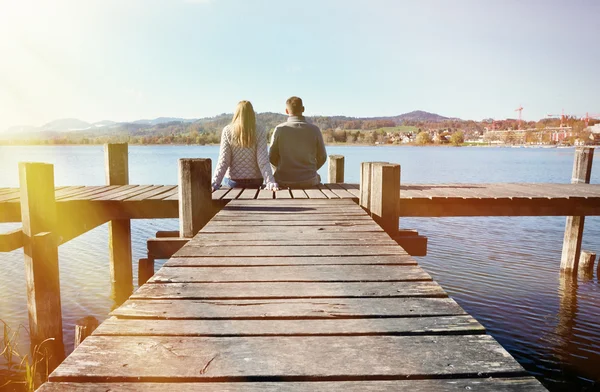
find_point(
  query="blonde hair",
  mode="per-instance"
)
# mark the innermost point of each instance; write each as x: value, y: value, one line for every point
x: 243, y: 125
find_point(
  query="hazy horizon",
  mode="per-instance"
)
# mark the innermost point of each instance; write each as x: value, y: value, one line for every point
x: 129, y: 60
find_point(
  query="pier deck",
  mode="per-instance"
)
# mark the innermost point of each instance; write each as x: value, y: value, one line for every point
x: 315, y: 297
x: 415, y: 200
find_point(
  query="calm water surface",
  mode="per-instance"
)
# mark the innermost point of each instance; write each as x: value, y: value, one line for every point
x: 504, y: 271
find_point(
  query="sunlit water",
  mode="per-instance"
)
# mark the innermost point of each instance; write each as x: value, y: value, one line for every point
x: 504, y: 271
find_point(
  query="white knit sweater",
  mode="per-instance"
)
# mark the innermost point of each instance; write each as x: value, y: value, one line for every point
x: 239, y: 163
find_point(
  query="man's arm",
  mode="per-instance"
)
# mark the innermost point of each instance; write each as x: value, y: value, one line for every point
x: 274, y: 150
x: 321, y: 152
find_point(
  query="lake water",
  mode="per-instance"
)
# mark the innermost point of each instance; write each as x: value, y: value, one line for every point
x: 504, y: 271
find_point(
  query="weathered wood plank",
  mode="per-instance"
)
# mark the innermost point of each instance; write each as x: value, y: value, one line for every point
x: 364, y: 237
x: 340, y: 191
x: 316, y: 308
x: 443, y: 325
x: 220, y: 193
x: 242, y: 216
x: 272, y: 261
x: 157, y: 191
x: 233, y: 194
x: 126, y: 194
x: 88, y: 192
x: 298, y: 194
x: 283, y: 194
x: 248, y: 194
x: 140, y: 358
x: 12, y: 240
x: 327, y: 192
x: 283, y: 290
x: 315, y: 194
x: 224, y: 241
x: 497, y: 384
x: 338, y: 222
x: 118, y: 188
x: 250, y: 227
x: 265, y: 194
x: 199, y: 249
x: 316, y: 273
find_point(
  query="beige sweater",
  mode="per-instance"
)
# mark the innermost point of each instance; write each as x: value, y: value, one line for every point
x: 239, y: 163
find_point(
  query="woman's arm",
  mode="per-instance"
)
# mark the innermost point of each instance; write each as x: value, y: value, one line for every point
x: 224, y: 159
x: 262, y: 158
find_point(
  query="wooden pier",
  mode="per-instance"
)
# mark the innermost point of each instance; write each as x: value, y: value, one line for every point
x: 315, y: 297
x: 303, y: 289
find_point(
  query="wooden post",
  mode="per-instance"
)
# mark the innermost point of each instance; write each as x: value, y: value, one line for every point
x: 582, y: 170
x: 385, y: 192
x: 586, y: 263
x: 195, y: 196
x: 145, y: 270
x: 119, y: 231
x: 336, y: 169
x: 84, y: 328
x: 38, y: 214
x: 366, y: 170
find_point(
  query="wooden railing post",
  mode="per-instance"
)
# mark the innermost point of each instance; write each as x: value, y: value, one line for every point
x: 582, y: 170
x: 385, y: 192
x: 84, y: 328
x: 195, y: 196
x: 38, y: 214
x: 336, y: 169
x: 366, y: 171
x: 145, y: 270
x: 119, y: 231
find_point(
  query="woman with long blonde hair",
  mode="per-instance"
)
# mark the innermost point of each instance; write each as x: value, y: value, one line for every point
x: 243, y: 156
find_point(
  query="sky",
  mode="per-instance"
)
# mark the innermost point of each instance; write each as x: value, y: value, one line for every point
x: 124, y: 60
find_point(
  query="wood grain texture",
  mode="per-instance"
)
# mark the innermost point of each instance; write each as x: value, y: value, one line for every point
x: 442, y: 325
x: 140, y: 358
x: 200, y: 261
x: 316, y: 308
x: 199, y: 249
x: 282, y: 290
x: 312, y: 273
x: 497, y: 384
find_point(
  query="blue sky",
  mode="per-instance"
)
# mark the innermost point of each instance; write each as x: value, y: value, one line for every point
x: 131, y: 59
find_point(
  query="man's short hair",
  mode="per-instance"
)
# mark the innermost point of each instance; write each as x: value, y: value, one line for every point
x: 294, y: 105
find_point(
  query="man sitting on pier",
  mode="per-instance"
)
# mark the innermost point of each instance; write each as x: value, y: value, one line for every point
x: 297, y: 149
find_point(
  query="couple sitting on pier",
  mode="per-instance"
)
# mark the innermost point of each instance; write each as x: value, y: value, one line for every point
x: 297, y: 151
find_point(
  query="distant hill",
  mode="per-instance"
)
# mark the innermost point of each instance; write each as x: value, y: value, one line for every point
x: 66, y: 125
x: 170, y: 126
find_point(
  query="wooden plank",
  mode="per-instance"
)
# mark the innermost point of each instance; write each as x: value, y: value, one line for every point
x: 127, y: 193
x: 308, y: 241
x: 157, y: 191
x: 219, y: 193
x: 164, y: 247
x: 293, y: 203
x: 497, y: 384
x: 113, y: 190
x: 317, y: 308
x: 141, y: 358
x: 317, y: 273
x: 299, y: 194
x: 12, y: 195
x: 299, y: 224
x: 199, y: 249
x: 298, y: 217
x: 283, y: 194
x: 234, y: 209
x: 248, y: 194
x: 250, y: 228
x: 327, y: 192
x: 12, y: 240
x: 265, y: 194
x: 315, y: 194
x: 170, y: 196
x: 233, y: 194
x: 68, y: 190
x: 442, y: 325
x: 340, y: 191
x: 283, y: 290
x: 352, y: 188
x: 88, y: 192
x: 272, y: 261
x: 361, y: 238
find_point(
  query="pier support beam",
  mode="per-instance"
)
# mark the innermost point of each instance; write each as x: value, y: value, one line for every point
x: 336, y: 169
x: 195, y: 196
x: 38, y: 214
x: 119, y: 231
x: 582, y: 170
